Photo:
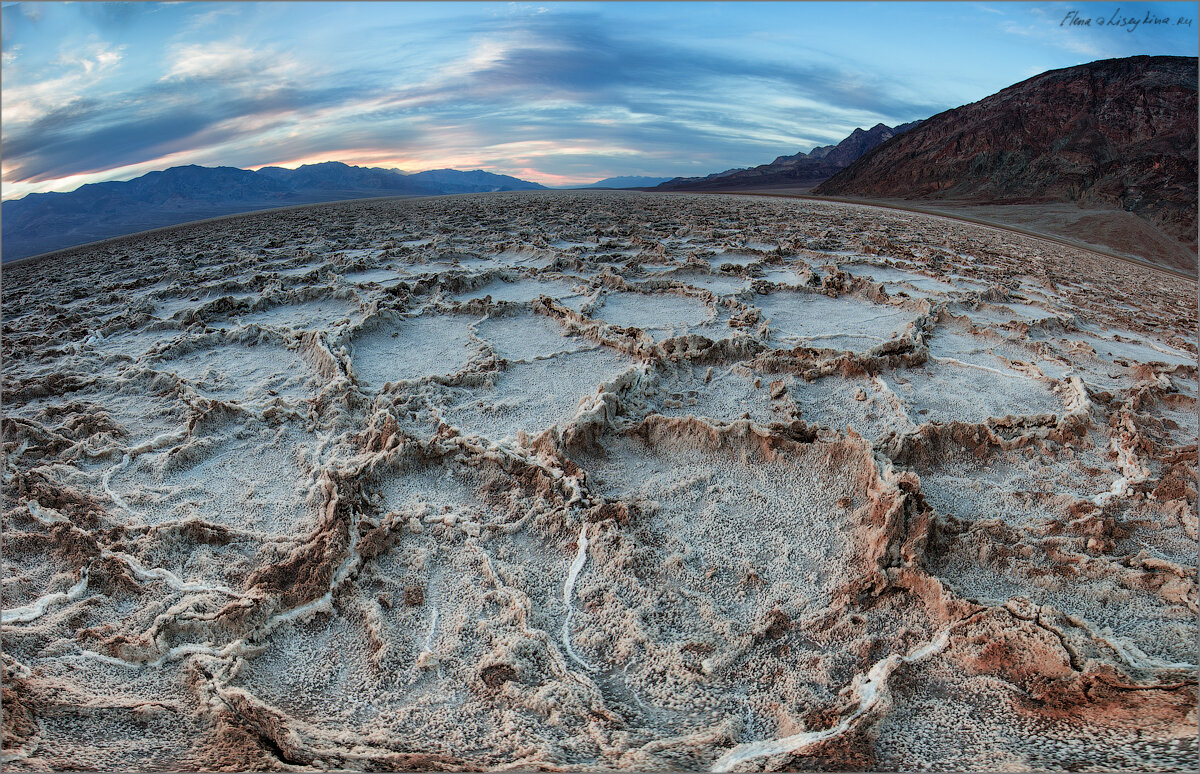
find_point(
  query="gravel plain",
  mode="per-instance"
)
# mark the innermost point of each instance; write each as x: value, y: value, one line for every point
x: 598, y: 480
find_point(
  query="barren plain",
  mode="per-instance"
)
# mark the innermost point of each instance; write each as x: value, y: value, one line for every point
x: 598, y: 480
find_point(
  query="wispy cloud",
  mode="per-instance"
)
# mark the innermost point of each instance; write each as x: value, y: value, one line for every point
x: 222, y: 13
x: 1069, y: 40
x: 553, y: 78
x: 554, y: 91
x: 24, y: 104
x: 230, y: 62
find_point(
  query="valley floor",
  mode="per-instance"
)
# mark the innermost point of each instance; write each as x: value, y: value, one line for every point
x: 1114, y: 233
x: 598, y: 481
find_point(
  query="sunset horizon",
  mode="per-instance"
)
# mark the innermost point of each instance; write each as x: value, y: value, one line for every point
x: 554, y: 93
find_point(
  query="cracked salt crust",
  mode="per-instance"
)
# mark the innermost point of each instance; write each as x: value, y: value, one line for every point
x: 527, y: 479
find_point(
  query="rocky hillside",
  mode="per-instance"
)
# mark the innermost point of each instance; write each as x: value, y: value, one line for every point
x: 1115, y: 134
x: 801, y: 170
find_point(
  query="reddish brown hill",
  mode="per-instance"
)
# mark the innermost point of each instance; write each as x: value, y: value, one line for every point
x: 1118, y: 134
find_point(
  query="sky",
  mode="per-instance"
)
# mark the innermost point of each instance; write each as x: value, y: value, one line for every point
x: 559, y: 93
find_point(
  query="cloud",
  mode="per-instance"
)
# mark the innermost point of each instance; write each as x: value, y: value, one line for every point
x: 560, y: 92
x: 229, y: 62
x: 575, y: 56
x: 115, y: 144
x: 566, y: 79
x: 85, y: 69
x: 1065, y: 39
x: 31, y: 11
x: 114, y: 17
x: 209, y: 96
x: 88, y: 135
x: 216, y: 15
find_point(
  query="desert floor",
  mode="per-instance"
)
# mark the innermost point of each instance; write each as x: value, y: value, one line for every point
x: 598, y: 480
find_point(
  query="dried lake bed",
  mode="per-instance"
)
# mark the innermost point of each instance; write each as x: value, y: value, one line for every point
x: 598, y: 480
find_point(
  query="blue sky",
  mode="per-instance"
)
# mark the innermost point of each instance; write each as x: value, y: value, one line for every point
x: 559, y: 93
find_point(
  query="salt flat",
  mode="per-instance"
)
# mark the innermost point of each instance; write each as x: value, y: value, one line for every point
x: 598, y: 481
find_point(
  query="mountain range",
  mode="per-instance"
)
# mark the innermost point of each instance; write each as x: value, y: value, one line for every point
x: 800, y: 170
x: 1116, y: 134
x: 1103, y: 153
x: 40, y: 223
x: 627, y: 181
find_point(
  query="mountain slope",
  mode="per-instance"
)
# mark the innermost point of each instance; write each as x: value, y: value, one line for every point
x: 1112, y: 134
x: 800, y: 170
x: 40, y: 223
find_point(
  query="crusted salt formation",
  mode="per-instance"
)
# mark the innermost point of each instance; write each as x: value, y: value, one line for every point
x: 597, y: 481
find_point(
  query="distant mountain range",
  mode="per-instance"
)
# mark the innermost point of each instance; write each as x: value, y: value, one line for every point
x: 1112, y: 134
x: 1100, y: 138
x: 627, y: 181
x: 801, y: 170
x: 40, y: 223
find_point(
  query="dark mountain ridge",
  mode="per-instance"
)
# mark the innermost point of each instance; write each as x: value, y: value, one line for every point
x: 40, y: 223
x: 801, y: 170
x: 1112, y: 134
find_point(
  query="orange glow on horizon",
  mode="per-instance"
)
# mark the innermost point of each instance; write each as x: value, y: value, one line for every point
x: 545, y: 178
x: 361, y: 157
x: 356, y: 158
x: 409, y: 164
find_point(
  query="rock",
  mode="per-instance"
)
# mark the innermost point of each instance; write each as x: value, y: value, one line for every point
x: 496, y: 675
x: 1117, y: 134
